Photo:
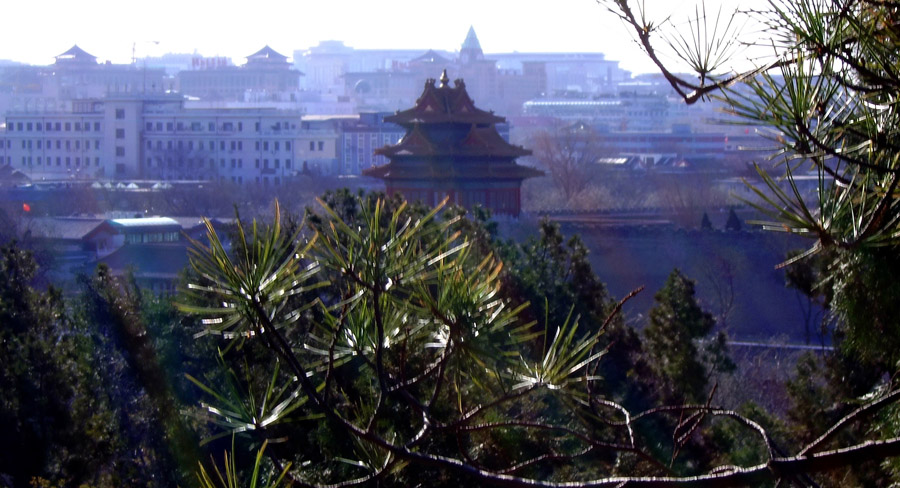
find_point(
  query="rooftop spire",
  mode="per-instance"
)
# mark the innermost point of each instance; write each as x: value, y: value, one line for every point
x: 471, y: 41
x: 471, y: 48
x: 444, y: 79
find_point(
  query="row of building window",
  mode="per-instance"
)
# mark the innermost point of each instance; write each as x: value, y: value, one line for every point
x: 48, y: 144
x: 265, y: 180
x: 211, y: 145
x: 235, y: 163
x: 120, y: 150
x: 39, y: 161
x: 363, y: 137
x: 53, y: 126
x: 151, y: 237
x: 668, y: 139
x: 213, y: 127
x: 230, y: 145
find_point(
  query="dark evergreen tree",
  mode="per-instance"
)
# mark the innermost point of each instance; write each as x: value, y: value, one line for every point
x: 733, y: 223
x: 60, y: 425
x: 115, y: 307
x: 676, y: 346
x: 705, y: 223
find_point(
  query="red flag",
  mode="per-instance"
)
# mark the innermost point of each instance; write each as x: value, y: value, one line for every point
x: 26, y: 207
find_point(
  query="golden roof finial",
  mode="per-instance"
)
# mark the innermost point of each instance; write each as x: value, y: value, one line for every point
x: 444, y: 79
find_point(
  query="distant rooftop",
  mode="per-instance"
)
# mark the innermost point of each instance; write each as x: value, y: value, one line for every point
x: 266, y: 55
x: 76, y: 55
x: 471, y: 48
x: 144, y: 222
x: 327, y: 117
x: 331, y: 47
x: 471, y: 41
x: 431, y: 56
x: 573, y: 103
x: 62, y: 228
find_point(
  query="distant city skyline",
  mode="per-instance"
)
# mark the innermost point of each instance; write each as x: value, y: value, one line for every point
x: 35, y: 32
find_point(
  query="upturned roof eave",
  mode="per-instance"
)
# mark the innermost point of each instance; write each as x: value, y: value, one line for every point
x: 400, y: 151
x: 410, y: 117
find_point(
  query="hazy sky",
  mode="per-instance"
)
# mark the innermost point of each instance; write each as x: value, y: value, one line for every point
x: 34, y: 31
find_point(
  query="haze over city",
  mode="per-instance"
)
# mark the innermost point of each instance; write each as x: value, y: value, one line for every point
x: 405, y: 243
x: 305, y: 98
x: 34, y: 32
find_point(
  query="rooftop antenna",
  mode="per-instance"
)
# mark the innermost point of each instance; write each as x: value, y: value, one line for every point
x: 134, y: 47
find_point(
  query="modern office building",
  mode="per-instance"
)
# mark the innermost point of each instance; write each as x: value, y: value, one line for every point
x: 141, y: 136
x: 679, y: 147
x: 619, y: 113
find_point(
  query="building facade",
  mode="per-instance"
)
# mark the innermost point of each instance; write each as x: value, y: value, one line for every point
x: 387, y: 80
x: 361, y: 136
x: 156, y: 137
x: 153, y: 250
x: 267, y: 75
x: 76, y: 74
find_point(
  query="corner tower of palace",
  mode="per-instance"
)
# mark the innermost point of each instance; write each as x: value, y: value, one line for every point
x: 452, y: 149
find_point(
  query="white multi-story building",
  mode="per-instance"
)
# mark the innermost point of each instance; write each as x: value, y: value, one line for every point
x: 139, y: 136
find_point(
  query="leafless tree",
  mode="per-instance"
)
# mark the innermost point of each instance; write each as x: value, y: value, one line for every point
x: 570, y: 154
x: 181, y: 162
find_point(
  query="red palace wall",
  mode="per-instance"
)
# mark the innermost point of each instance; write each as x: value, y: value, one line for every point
x: 501, y: 201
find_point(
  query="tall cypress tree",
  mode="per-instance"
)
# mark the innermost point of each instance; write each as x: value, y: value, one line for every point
x: 674, y: 342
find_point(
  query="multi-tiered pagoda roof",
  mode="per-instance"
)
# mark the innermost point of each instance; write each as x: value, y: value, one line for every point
x: 452, y: 147
x: 443, y: 103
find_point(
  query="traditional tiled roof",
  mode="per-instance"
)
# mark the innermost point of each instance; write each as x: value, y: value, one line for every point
x: 62, y: 228
x: 444, y: 104
x: 449, y: 139
x: 150, y: 223
x: 76, y: 54
x: 135, y: 226
x: 482, y: 142
x: 487, y: 139
x: 413, y: 142
x: 430, y: 57
x: 267, y: 53
x: 192, y: 223
x: 10, y: 176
